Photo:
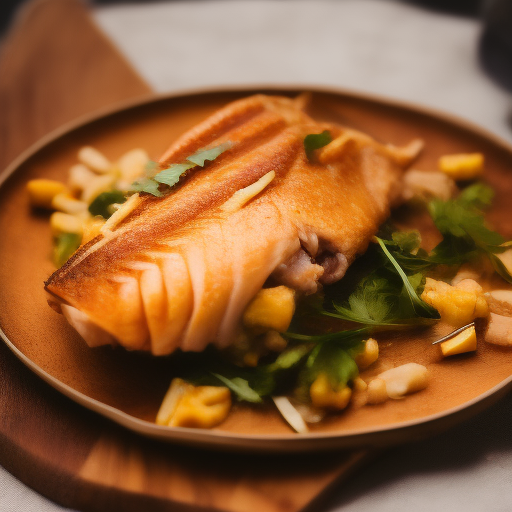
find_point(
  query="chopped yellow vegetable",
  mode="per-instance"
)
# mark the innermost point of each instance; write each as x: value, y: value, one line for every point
x: 462, y: 166
x: 92, y: 228
x: 324, y: 396
x: 461, y: 343
x: 65, y: 223
x: 96, y: 186
x: 271, y: 309
x: 369, y: 355
x: 202, y: 407
x: 41, y: 192
x: 457, y: 305
x: 185, y: 405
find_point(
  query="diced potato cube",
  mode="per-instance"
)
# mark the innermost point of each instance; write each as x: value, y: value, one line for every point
x: 462, y: 166
x: 377, y: 393
x: 93, y: 159
x: 79, y: 177
x: 96, y: 186
x: 466, y: 272
x: 500, y: 302
x: 461, y: 343
x: 65, y: 223
x: 426, y: 185
x: 132, y: 164
x: 271, y: 309
x: 92, y: 228
x: 456, y: 306
x: 369, y: 355
x: 68, y: 204
x: 405, y: 379
x: 324, y: 396
x: 499, y: 330
x: 185, y: 405
x: 41, y: 192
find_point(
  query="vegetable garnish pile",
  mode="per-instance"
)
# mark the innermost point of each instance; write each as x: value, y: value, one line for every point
x: 284, y: 350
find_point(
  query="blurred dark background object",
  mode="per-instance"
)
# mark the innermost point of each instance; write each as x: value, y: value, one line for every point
x: 495, y: 46
x: 495, y: 49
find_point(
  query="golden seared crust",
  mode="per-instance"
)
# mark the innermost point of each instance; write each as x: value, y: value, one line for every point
x: 198, y: 265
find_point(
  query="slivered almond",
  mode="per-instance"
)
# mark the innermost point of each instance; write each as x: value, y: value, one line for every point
x: 244, y: 195
x: 122, y: 213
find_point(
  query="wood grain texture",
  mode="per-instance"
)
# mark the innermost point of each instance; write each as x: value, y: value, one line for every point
x: 55, y: 66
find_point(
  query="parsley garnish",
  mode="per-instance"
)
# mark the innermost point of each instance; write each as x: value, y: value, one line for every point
x: 100, y: 206
x: 169, y: 177
x: 316, y: 141
x: 64, y: 246
x: 466, y: 236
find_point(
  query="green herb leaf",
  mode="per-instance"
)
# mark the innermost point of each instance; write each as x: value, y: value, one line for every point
x: 172, y: 174
x: 315, y: 141
x: 289, y: 358
x: 419, y: 307
x: 211, y: 154
x: 479, y: 196
x: 100, y: 205
x: 240, y: 387
x: 407, y: 241
x: 64, y: 246
x: 147, y: 185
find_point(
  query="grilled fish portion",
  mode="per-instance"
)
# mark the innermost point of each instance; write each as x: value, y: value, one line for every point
x: 178, y: 271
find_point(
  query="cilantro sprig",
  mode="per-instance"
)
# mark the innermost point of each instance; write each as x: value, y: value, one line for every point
x: 466, y: 235
x: 161, y: 183
x: 315, y: 141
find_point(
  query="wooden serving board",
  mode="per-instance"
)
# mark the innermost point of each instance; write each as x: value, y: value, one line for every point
x: 56, y: 66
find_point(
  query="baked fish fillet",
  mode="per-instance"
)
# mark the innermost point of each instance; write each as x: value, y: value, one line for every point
x: 178, y: 271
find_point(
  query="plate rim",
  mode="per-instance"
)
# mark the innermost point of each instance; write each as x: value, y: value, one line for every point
x: 290, y: 442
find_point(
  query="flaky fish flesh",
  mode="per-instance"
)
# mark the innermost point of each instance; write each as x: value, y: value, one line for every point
x: 178, y: 271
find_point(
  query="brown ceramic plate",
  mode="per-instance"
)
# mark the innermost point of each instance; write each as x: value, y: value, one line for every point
x: 128, y: 387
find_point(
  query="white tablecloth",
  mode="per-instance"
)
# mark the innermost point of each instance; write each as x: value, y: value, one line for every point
x: 384, y: 47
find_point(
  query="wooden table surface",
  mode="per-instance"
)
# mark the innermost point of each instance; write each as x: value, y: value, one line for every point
x: 56, y: 66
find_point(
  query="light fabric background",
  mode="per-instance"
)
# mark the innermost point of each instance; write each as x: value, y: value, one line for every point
x: 377, y: 46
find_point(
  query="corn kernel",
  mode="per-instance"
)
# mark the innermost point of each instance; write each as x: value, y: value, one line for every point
x: 324, y: 396
x: 369, y: 355
x: 41, y: 192
x: 271, y: 309
x: 93, y: 159
x: 461, y: 343
x: 65, y: 223
x: 377, y: 393
x: 456, y: 306
x: 68, y: 204
x: 462, y: 166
